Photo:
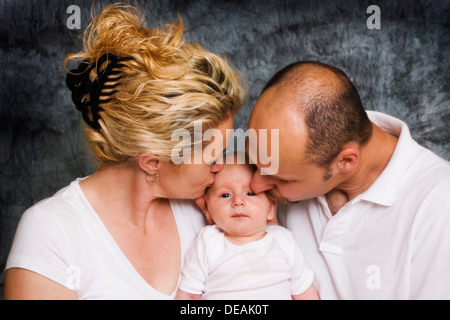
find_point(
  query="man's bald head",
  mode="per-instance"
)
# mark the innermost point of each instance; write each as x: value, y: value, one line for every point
x: 308, y: 72
x: 329, y: 104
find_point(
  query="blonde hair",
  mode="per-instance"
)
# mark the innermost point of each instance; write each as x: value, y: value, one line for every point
x: 166, y: 85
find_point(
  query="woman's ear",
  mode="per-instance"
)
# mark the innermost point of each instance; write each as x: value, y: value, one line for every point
x: 149, y: 163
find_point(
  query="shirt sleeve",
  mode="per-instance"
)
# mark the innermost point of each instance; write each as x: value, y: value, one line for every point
x: 430, y: 277
x: 195, y: 269
x: 41, y: 246
x: 301, y: 277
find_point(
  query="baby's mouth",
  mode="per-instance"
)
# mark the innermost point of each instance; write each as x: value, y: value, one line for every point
x: 239, y: 215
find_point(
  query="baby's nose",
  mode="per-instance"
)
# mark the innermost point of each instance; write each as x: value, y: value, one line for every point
x: 238, y: 201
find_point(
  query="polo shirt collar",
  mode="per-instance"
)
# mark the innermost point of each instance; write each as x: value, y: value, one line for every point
x: 386, y: 187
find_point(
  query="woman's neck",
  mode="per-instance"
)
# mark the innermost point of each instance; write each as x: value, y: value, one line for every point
x: 122, y: 193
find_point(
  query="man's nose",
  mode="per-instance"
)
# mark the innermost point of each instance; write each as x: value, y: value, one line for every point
x: 260, y: 183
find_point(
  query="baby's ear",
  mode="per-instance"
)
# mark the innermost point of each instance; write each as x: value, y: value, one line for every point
x: 272, y: 216
x: 201, y: 203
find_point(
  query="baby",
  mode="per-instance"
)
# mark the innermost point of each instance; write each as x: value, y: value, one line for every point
x: 241, y: 257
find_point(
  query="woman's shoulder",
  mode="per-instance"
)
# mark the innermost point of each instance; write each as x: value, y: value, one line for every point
x: 47, y: 236
x: 65, y: 208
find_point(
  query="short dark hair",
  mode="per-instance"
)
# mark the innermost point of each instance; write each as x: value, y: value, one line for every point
x: 332, y: 117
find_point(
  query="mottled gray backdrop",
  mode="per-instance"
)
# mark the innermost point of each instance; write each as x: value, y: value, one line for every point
x: 401, y: 69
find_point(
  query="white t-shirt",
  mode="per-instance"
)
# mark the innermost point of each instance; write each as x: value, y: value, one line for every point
x: 63, y: 239
x: 390, y: 242
x: 271, y: 268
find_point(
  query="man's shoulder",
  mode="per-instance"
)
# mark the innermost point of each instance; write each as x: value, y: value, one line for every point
x: 429, y: 170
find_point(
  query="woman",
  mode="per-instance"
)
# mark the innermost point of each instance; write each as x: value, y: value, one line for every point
x: 116, y: 234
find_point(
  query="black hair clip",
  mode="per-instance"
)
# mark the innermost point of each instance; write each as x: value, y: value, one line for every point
x: 80, y: 84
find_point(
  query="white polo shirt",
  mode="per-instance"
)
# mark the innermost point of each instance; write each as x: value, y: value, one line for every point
x: 390, y: 242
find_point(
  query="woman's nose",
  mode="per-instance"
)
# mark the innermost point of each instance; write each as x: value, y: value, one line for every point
x: 216, y: 167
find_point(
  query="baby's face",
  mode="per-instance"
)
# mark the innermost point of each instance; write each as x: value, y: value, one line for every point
x: 232, y: 204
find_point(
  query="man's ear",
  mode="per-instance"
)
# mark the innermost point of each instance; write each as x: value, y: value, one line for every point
x: 149, y: 163
x: 349, y: 157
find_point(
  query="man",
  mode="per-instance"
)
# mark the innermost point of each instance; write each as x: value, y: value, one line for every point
x: 372, y: 207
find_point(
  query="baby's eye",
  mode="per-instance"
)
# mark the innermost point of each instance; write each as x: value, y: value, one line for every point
x: 251, y: 194
x: 225, y: 195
